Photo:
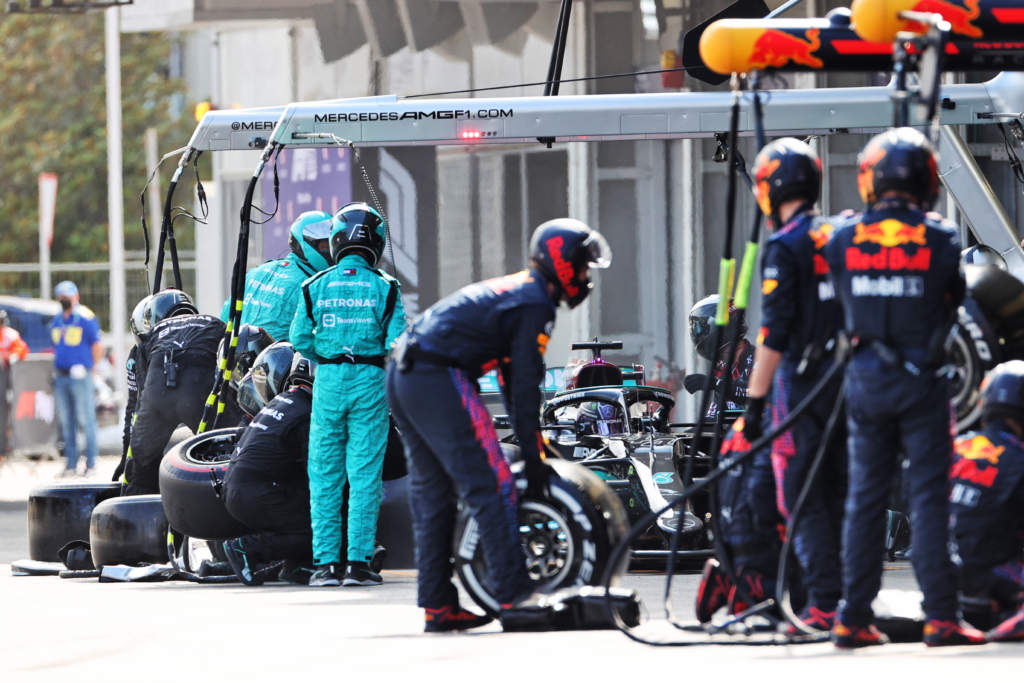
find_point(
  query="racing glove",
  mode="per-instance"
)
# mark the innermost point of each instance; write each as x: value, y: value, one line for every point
x: 752, y: 429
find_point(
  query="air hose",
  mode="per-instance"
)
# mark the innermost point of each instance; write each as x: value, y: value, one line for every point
x: 623, y: 547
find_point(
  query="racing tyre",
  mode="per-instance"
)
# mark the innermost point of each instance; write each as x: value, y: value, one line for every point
x: 974, y: 350
x: 187, y: 474
x: 128, y: 530
x: 59, y: 514
x: 567, y: 537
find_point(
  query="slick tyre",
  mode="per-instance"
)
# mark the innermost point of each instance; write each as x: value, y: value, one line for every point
x: 59, y: 514
x: 567, y: 536
x: 187, y: 474
x: 128, y: 530
x: 974, y: 350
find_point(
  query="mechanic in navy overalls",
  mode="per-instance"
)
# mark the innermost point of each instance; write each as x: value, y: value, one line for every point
x: 987, y: 501
x: 450, y: 443
x: 896, y: 271
x: 799, y: 319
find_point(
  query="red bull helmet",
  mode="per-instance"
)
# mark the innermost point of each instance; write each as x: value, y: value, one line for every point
x: 1002, y: 392
x: 786, y: 169
x: 899, y: 160
x: 564, y: 250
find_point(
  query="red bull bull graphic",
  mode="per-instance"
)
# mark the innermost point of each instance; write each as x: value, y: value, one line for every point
x: 778, y: 48
x: 820, y: 236
x: 890, y: 233
x: 880, y: 20
x: 979, y: 447
x: 762, y: 189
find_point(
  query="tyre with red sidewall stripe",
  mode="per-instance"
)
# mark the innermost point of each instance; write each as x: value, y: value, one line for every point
x: 187, y: 474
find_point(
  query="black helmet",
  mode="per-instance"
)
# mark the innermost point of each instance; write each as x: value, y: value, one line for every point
x: 982, y: 255
x: 139, y: 322
x: 358, y: 229
x: 251, y: 341
x: 1002, y: 392
x: 898, y: 160
x: 786, y: 169
x: 302, y: 373
x: 702, y: 325
x: 166, y: 303
x: 249, y: 400
x: 271, y: 368
x: 562, y: 249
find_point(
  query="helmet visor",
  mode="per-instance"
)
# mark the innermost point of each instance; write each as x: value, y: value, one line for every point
x: 599, y: 254
x: 320, y: 230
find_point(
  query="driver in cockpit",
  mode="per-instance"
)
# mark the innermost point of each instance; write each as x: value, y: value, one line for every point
x: 597, y: 417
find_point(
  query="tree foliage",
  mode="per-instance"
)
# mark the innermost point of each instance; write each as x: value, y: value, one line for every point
x: 53, y: 118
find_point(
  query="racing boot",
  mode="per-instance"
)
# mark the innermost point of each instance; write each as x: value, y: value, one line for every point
x: 713, y: 592
x: 753, y: 582
x: 240, y: 562
x: 380, y: 553
x: 449, y: 618
x: 325, y: 575
x: 294, y: 572
x: 851, y: 637
x: 1010, y: 630
x: 360, y: 574
x: 818, y: 619
x: 938, y: 633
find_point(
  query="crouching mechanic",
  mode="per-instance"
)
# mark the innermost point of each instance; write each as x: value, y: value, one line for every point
x: 175, y: 370
x: 347, y: 317
x: 273, y: 289
x: 266, y: 486
x: 896, y: 271
x: 799, y: 319
x: 450, y: 443
x: 987, y: 501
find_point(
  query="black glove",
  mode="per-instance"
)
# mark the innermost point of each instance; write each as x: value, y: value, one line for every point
x: 536, y: 478
x: 752, y: 419
x: 694, y: 383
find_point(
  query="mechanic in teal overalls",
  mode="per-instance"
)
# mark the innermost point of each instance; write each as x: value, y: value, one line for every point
x: 272, y: 289
x: 346, y: 319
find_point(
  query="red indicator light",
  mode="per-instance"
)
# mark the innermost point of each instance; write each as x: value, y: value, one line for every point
x: 471, y: 134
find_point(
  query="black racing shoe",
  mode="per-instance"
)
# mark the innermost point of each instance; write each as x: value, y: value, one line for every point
x: 1010, y: 630
x: 850, y: 637
x: 448, y: 618
x: 325, y: 575
x: 293, y: 572
x: 713, y: 592
x: 360, y: 574
x: 380, y: 553
x: 240, y: 562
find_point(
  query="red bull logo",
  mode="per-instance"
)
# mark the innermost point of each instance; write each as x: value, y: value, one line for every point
x: 775, y: 48
x: 866, y: 173
x: 888, y: 259
x: 735, y: 442
x: 959, y: 15
x: 979, y: 448
x: 890, y: 233
x: 820, y: 236
x: 763, y: 188
x: 563, y: 268
x: 820, y: 265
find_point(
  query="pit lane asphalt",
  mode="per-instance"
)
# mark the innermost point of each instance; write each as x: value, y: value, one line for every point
x: 83, y: 630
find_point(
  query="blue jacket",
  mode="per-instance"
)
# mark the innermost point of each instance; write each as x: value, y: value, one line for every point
x: 272, y: 292
x: 73, y: 338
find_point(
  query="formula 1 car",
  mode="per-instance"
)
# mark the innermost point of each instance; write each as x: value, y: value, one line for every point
x: 607, y: 420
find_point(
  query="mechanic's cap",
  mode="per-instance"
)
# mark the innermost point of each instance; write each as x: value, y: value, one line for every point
x: 66, y: 288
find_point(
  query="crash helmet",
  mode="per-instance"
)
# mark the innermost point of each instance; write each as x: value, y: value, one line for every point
x: 271, y: 368
x: 251, y: 341
x: 898, y: 160
x: 595, y: 373
x: 982, y: 255
x: 139, y: 322
x: 249, y: 400
x: 167, y: 303
x: 1002, y: 392
x: 358, y: 229
x: 308, y: 238
x: 702, y: 325
x: 302, y: 373
x: 563, y: 251
x: 598, y: 417
x: 783, y: 170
